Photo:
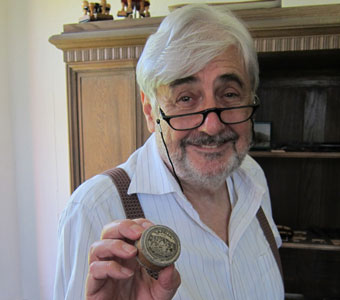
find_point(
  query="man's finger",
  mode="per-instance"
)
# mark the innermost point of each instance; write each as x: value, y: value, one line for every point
x: 108, y: 249
x: 167, y: 284
x: 130, y: 229
x: 101, y: 271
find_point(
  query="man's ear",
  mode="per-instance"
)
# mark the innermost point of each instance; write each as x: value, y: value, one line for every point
x: 148, y: 112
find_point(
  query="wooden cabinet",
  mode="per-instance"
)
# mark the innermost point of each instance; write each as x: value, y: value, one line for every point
x: 299, y: 55
x: 105, y: 117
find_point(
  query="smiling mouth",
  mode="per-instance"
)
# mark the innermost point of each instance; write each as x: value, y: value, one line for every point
x: 213, y: 146
x: 209, y: 146
x: 205, y: 142
x: 216, y: 149
x: 212, y: 142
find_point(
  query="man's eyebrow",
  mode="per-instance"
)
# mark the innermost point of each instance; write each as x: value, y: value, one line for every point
x: 177, y: 82
x: 231, y: 77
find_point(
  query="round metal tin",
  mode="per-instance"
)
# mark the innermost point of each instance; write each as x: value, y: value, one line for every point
x: 158, y: 247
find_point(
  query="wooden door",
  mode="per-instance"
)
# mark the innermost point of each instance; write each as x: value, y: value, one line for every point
x: 105, y: 115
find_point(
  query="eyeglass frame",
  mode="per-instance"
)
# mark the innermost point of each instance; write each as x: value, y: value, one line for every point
x: 205, y: 112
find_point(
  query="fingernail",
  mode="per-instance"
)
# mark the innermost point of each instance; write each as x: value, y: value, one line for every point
x: 136, y: 229
x: 128, y: 248
x: 146, y: 225
x: 126, y: 271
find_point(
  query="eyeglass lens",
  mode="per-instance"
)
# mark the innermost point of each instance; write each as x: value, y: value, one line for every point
x: 236, y: 115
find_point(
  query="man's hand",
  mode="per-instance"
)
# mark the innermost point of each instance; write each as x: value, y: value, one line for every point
x: 115, y: 274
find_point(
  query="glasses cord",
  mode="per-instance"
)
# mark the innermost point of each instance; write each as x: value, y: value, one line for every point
x: 167, y: 153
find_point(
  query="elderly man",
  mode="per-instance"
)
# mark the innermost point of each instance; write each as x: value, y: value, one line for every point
x: 198, y: 75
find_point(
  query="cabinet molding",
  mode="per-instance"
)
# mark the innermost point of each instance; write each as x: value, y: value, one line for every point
x: 262, y: 45
x: 298, y: 43
x: 102, y: 54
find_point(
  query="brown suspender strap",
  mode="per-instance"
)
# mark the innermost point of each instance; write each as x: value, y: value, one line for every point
x: 261, y: 217
x: 131, y: 204
x: 134, y: 210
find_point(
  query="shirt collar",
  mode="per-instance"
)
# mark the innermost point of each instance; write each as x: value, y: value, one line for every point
x: 250, y: 188
x: 151, y: 175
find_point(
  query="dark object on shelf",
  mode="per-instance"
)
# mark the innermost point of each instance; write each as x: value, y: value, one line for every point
x: 95, y: 11
x: 290, y: 296
x: 262, y: 136
x: 312, y: 235
x: 286, y: 232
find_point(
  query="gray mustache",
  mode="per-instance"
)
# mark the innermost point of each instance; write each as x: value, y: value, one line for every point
x: 204, y: 139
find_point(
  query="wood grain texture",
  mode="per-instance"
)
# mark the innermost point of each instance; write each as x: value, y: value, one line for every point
x: 304, y: 192
x: 312, y: 273
x: 105, y: 117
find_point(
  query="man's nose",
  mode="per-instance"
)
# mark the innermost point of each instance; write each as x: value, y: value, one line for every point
x: 212, y: 124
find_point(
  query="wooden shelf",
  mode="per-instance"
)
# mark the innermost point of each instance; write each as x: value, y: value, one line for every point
x: 280, y: 154
x: 310, y: 246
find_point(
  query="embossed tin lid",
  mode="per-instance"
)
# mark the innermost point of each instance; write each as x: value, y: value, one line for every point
x: 160, y: 246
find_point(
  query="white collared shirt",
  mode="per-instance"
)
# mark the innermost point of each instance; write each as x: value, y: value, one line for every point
x: 210, y: 270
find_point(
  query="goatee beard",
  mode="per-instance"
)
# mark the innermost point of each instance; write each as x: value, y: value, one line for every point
x: 187, y: 171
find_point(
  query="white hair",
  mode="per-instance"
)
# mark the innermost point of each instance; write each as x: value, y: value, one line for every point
x: 188, y: 39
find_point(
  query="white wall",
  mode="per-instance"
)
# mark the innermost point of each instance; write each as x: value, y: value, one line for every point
x: 9, y: 255
x: 34, y: 144
x: 34, y: 165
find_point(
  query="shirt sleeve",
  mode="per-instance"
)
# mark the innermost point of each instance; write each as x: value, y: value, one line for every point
x: 78, y: 229
x: 90, y: 208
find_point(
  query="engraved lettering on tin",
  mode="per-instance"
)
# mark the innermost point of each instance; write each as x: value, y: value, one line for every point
x: 161, y: 244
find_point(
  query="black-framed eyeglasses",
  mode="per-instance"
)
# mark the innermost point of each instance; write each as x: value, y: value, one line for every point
x: 228, y: 115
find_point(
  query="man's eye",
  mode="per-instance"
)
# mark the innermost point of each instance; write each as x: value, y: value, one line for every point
x: 230, y: 95
x: 184, y: 99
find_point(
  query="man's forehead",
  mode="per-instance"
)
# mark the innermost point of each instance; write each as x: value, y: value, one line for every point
x: 181, y: 81
x: 222, y: 78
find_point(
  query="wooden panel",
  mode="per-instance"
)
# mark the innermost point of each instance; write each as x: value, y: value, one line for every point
x: 283, y: 188
x: 106, y: 121
x: 300, y: 96
x: 315, y: 274
x: 284, y: 107
x: 314, y: 116
x: 330, y: 191
x: 73, y: 124
x: 305, y: 192
x: 107, y: 109
x: 332, y: 127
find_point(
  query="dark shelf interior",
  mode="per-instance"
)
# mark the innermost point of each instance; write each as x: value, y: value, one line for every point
x: 300, y: 96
